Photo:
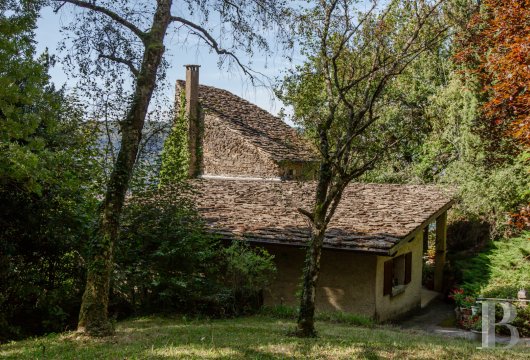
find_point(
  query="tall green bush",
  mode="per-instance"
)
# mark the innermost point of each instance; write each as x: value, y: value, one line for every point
x: 165, y: 261
x: 247, y: 271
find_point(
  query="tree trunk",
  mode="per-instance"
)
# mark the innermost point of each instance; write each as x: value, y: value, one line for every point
x: 306, y: 322
x: 93, y: 317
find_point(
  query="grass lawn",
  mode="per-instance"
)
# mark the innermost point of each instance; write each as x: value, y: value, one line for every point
x: 256, y: 337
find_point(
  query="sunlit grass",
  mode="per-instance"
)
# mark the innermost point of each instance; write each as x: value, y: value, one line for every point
x: 257, y: 337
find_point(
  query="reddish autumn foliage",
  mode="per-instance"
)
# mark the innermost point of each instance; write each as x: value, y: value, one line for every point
x: 521, y: 220
x: 496, y: 46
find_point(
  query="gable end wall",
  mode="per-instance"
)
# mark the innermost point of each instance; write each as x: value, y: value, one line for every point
x: 390, y: 307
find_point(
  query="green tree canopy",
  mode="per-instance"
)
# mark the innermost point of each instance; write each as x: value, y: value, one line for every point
x: 47, y: 202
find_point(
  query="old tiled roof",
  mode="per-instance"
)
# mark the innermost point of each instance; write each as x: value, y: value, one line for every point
x: 370, y: 218
x: 258, y: 126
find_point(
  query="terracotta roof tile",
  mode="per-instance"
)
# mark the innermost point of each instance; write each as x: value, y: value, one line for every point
x: 370, y: 217
x: 258, y: 126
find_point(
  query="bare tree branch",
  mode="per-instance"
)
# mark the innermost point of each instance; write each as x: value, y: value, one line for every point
x: 120, y: 60
x: 202, y: 33
x: 306, y: 213
x: 103, y: 10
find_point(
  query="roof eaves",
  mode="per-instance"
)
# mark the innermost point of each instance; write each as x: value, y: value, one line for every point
x: 341, y: 245
x: 392, y: 251
x: 258, y: 240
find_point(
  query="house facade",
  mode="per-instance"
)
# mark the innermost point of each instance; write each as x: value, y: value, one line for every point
x: 372, y: 258
x: 350, y: 281
x: 252, y: 172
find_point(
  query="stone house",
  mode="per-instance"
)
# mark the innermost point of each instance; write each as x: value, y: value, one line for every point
x: 253, y: 174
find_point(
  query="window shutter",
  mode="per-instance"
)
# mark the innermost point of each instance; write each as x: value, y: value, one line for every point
x: 387, y: 278
x: 408, y: 267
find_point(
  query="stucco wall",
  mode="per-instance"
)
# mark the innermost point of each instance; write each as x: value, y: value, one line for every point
x: 225, y: 152
x: 291, y: 170
x: 388, y: 306
x: 346, y: 280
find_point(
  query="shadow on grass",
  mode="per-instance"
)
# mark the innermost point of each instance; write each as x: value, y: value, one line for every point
x: 368, y: 353
x: 255, y: 337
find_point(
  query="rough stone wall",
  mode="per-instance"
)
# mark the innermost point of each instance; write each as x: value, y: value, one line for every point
x: 226, y: 153
x: 346, y: 280
x: 388, y: 306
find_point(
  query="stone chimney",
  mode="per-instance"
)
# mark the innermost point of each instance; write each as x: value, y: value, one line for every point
x: 193, y: 116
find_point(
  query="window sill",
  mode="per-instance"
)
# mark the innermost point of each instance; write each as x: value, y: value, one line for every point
x: 398, y: 289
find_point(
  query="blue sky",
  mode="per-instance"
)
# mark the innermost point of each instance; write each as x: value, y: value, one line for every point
x: 48, y: 36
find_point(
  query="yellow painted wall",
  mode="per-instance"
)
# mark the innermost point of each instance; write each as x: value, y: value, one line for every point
x: 388, y: 307
x: 346, y: 280
x: 349, y: 282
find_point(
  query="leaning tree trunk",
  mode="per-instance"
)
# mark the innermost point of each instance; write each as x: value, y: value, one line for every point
x: 93, y: 318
